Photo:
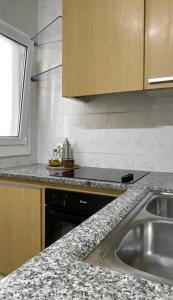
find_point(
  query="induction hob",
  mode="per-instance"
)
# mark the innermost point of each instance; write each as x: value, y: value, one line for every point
x: 103, y: 174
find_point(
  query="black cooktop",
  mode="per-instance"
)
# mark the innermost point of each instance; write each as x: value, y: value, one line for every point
x: 103, y: 174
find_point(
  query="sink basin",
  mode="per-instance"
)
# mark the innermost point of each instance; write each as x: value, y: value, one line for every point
x: 149, y: 247
x: 142, y: 244
x: 161, y: 205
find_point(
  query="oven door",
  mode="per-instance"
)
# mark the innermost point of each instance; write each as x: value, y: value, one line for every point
x: 58, y: 223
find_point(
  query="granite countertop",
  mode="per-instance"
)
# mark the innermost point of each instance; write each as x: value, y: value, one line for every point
x: 40, y: 173
x: 59, y: 271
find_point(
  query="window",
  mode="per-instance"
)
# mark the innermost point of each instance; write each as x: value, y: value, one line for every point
x: 12, y: 72
x: 15, y: 74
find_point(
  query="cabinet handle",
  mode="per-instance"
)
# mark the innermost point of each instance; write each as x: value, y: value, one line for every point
x: 160, y: 79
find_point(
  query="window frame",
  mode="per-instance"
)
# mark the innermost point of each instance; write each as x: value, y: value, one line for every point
x: 23, y: 39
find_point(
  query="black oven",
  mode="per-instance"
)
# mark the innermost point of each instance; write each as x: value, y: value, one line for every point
x: 65, y: 210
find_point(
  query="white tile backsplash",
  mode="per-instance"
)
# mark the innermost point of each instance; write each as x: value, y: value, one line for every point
x: 48, y: 10
x: 125, y: 130
x: 154, y: 162
x: 20, y: 13
x: 105, y: 160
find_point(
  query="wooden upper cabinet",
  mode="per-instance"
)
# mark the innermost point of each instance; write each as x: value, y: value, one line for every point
x: 103, y: 43
x: 159, y: 44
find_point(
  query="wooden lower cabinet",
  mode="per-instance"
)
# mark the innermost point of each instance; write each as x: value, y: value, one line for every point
x: 20, y: 225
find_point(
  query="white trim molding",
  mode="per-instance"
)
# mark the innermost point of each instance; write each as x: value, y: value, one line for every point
x: 20, y: 145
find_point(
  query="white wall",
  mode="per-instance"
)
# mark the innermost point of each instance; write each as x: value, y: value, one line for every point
x: 126, y: 130
x: 23, y: 15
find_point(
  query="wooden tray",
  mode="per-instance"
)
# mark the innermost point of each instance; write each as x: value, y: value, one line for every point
x: 62, y: 168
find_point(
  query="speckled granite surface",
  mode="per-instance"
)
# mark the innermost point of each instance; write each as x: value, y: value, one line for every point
x: 39, y: 172
x: 60, y: 273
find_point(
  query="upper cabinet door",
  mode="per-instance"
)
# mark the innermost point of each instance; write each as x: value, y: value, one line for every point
x: 159, y: 44
x: 102, y: 46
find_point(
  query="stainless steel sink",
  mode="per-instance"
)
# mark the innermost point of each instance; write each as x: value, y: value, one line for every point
x: 142, y: 244
x: 161, y: 205
x: 146, y: 247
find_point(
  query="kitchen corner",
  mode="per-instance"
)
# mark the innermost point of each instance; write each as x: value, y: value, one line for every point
x: 86, y: 139
x: 59, y: 271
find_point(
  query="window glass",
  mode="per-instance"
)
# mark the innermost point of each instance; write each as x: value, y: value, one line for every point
x: 12, y: 73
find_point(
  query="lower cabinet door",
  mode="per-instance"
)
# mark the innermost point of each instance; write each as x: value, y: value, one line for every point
x: 20, y: 225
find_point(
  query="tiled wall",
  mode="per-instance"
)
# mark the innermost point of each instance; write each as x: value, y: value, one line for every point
x: 126, y: 130
x: 23, y: 15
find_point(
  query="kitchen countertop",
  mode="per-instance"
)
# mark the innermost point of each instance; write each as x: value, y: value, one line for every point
x: 59, y: 271
x: 40, y: 173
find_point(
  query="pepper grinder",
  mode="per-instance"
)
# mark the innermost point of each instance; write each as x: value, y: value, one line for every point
x: 67, y: 155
